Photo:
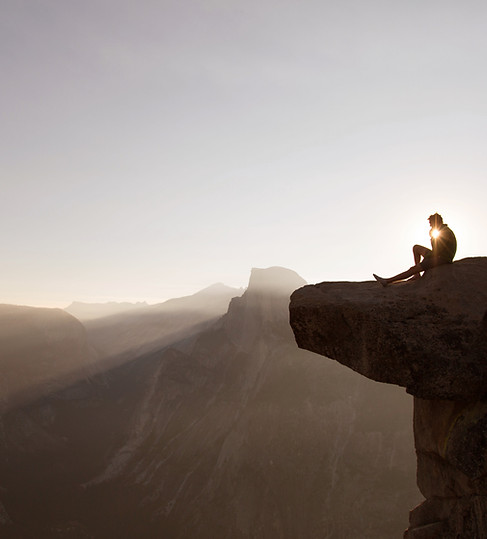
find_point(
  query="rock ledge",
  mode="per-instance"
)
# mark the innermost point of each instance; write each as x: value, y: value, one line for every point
x: 428, y: 336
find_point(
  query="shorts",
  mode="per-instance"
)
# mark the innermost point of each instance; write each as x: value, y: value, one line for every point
x: 431, y: 261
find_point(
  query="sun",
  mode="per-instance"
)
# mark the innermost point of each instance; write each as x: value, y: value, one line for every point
x: 435, y: 233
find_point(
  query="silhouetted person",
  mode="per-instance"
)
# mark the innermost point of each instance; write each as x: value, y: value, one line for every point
x: 443, y: 249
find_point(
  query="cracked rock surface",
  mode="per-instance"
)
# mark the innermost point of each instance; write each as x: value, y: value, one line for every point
x: 430, y: 337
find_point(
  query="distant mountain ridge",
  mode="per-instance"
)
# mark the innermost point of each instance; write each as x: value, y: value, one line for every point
x: 90, y: 311
x: 86, y: 312
x: 43, y: 350
x: 230, y: 432
x: 138, y: 331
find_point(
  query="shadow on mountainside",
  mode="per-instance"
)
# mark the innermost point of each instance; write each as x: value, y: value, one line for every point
x: 237, y: 433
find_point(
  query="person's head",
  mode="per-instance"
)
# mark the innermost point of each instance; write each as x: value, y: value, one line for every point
x: 435, y: 220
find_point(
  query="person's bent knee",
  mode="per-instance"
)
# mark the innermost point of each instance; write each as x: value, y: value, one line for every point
x: 421, y: 250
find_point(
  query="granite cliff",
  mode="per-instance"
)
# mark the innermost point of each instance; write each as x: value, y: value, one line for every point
x: 429, y: 336
x: 233, y: 432
x: 41, y: 351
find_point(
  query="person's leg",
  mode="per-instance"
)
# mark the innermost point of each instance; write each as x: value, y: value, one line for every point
x: 420, y: 251
x: 414, y: 270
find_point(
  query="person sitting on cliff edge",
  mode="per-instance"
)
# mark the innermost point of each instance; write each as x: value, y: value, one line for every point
x: 443, y: 249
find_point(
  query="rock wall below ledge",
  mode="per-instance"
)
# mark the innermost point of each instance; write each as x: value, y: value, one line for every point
x: 429, y: 336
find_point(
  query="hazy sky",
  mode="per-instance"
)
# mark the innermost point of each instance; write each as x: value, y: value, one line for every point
x: 152, y: 148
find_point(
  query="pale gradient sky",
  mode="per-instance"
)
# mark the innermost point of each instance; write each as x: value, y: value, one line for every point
x: 152, y: 148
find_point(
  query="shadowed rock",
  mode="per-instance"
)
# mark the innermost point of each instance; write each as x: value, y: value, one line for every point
x: 429, y: 336
x: 41, y: 351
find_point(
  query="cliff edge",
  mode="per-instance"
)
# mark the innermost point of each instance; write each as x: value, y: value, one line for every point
x: 429, y: 336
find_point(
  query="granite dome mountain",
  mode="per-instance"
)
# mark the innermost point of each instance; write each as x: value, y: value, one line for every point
x: 229, y: 430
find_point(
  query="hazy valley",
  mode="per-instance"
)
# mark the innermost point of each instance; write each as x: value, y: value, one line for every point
x: 198, y: 417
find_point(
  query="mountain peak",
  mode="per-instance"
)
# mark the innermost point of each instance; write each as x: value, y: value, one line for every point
x: 275, y: 279
x: 217, y: 289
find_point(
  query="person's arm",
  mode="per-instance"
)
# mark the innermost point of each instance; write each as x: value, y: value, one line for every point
x: 433, y: 241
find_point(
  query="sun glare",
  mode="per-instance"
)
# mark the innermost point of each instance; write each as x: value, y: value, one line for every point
x: 435, y: 233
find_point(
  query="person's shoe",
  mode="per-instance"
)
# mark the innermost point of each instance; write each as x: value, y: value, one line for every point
x: 381, y: 280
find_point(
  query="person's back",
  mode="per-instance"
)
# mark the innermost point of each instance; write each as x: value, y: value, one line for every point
x: 445, y: 243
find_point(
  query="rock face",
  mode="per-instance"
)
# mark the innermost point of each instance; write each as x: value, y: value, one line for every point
x: 137, y: 331
x: 235, y: 434
x: 429, y: 336
x: 41, y: 351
